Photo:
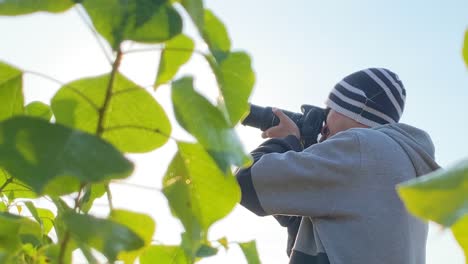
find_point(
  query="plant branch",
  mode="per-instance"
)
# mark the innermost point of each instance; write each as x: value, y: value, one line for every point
x: 95, y: 34
x: 63, y: 246
x: 109, y: 197
x: 45, y: 76
x: 102, y: 110
x: 5, y: 184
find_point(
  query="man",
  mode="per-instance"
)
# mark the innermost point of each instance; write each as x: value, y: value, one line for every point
x: 338, y: 197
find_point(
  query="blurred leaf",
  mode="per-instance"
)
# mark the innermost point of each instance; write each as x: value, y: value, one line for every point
x: 91, y: 193
x: 460, y: 232
x: 11, y: 90
x: 146, y: 21
x: 465, y: 48
x: 107, y: 236
x: 250, y: 252
x: 196, y: 11
x: 164, y: 255
x: 205, y: 251
x: 199, y: 194
x: 224, y: 242
x: 236, y: 79
x: 15, y: 189
x: 15, y: 230
x: 206, y: 122
x: 54, y: 159
x: 216, y: 36
x: 440, y: 196
x: 38, y: 109
x: 44, y: 217
x: 133, y: 120
x: 176, y: 53
x: 141, y: 224
x: 21, y: 7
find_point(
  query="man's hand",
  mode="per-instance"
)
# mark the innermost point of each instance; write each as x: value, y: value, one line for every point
x: 285, y: 127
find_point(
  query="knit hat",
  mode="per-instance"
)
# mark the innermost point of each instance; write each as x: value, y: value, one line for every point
x: 372, y: 97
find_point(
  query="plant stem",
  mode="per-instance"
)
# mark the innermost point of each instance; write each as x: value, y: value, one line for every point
x: 63, y: 247
x: 8, y: 181
x: 109, y: 197
x: 102, y: 110
x: 45, y: 76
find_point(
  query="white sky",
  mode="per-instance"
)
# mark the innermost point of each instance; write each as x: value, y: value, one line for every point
x: 299, y: 51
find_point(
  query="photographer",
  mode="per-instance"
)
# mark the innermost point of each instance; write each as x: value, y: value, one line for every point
x: 337, y: 197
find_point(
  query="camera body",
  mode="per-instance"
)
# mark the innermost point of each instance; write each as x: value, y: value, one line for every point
x: 309, y: 122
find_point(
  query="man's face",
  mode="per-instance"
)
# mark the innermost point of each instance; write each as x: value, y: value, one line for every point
x: 336, y: 122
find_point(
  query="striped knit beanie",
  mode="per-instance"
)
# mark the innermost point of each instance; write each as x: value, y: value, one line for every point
x: 372, y: 97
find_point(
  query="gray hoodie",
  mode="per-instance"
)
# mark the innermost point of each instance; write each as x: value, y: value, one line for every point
x: 344, y: 190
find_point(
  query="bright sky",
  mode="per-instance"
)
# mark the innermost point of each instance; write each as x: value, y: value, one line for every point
x: 299, y: 51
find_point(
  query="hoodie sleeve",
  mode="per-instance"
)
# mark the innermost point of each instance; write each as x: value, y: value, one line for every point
x: 277, y: 145
x: 308, y: 183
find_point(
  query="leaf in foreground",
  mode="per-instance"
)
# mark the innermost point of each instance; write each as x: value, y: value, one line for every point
x: 22, y: 7
x: 54, y: 159
x: 133, y: 121
x: 250, y: 251
x: 440, y: 196
x: 11, y: 91
x: 107, y: 236
x: 198, y: 192
x: 207, y: 123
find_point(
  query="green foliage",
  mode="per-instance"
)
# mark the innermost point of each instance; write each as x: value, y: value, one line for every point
x: 163, y: 255
x: 141, y: 224
x: 215, y: 35
x: 216, y: 135
x: 53, y: 159
x: 176, y: 53
x: 38, y: 109
x: 104, y: 235
x: 11, y: 91
x: 133, y: 121
x: 441, y: 197
x: 146, y: 21
x: 76, y: 146
x: 21, y: 7
x: 250, y: 251
x: 199, y: 193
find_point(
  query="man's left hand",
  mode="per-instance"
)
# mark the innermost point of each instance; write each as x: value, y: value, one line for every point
x: 285, y: 127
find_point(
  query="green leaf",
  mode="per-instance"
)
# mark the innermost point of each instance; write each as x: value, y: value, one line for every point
x: 460, y: 232
x: 133, y: 121
x: 54, y: 159
x: 196, y: 11
x: 107, y: 236
x: 162, y: 254
x: 141, y: 224
x: 146, y: 21
x: 15, y: 230
x: 199, y: 193
x: 207, y: 123
x: 43, y: 216
x: 216, y: 36
x: 224, y: 242
x: 11, y: 91
x: 22, y: 7
x: 176, y: 53
x: 205, y: 251
x: 236, y: 79
x: 38, y: 109
x: 15, y: 189
x: 250, y: 252
x: 91, y: 193
x: 439, y: 196
x: 465, y: 48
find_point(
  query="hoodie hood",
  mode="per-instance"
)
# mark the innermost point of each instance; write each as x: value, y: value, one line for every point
x: 416, y: 143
